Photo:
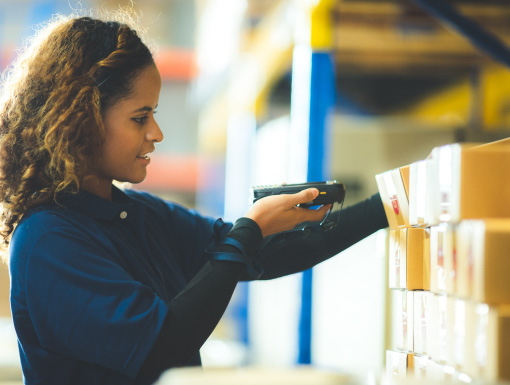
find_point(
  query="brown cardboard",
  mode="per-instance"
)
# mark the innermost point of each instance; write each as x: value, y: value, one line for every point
x: 485, y: 181
x: 404, y: 173
x: 460, y: 181
x: 469, y: 181
x: 483, y: 260
x: 492, y: 264
x: 407, y: 248
x: 415, y: 242
x: 426, y: 259
x: 498, y: 143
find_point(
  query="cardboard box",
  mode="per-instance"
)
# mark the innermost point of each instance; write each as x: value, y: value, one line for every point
x: 421, y: 318
x: 467, y: 247
x: 397, y: 264
x: 465, y: 337
x: 443, y: 259
x: 438, y: 372
x: 402, y: 320
x: 450, y: 261
x: 432, y: 327
x: 404, y: 174
x: 492, y: 266
x: 5, y: 309
x: 407, y: 258
x: 483, y: 260
x: 399, y: 364
x: 450, y: 331
x: 394, y: 194
x: 473, y: 182
x: 426, y: 260
x: 492, y: 343
x: 421, y: 183
x: 438, y: 254
x: 420, y: 366
x: 459, y: 332
x: 442, y: 316
x: 437, y: 328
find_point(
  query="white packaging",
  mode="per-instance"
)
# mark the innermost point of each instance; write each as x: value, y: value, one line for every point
x: 420, y: 366
x: 399, y: 364
x: 459, y: 332
x: 420, y: 319
x: 420, y: 193
x: 394, y: 197
x: 402, y: 320
x: 491, y: 343
x: 437, y: 259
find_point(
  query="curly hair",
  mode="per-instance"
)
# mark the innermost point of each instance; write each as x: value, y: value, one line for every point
x: 53, y: 99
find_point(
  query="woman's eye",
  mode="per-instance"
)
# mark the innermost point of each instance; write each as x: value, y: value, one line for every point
x: 141, y: 120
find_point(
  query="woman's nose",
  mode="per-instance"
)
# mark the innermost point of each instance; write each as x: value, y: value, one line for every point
x: 154, y: 133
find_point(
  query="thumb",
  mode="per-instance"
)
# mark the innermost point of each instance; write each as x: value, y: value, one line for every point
x: 305, y: 196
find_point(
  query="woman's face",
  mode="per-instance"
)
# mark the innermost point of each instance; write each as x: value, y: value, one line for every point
x: 131, y: 135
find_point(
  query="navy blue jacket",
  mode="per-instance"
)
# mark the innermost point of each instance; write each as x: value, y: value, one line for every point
x: 92, y: 280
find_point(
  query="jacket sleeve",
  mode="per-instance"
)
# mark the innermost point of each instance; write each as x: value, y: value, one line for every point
x: 302, y: 248
x: 196, y: 310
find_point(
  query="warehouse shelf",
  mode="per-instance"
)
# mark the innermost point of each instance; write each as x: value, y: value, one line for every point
x: 380, y: 40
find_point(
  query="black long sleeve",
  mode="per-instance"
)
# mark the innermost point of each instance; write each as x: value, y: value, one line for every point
x: 196, y: 310
x: 295, y: 251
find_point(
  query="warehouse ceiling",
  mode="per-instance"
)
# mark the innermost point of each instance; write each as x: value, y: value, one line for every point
x: 392, y: 53
x: 388, y: 53
x: 401, y: 36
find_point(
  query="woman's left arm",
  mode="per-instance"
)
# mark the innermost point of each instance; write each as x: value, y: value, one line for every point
x: 298, y: 250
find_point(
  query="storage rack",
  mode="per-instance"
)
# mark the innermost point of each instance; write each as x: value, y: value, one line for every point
x: 448, y: 264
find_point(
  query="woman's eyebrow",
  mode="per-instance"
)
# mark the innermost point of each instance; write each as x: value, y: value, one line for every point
x: 145, y: 108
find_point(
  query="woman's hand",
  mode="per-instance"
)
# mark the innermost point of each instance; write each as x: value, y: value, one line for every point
x: 279, y: 213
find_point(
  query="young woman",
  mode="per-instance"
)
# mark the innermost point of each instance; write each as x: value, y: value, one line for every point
x: 111, y: 286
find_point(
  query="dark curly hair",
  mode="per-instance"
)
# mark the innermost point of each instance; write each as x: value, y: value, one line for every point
x: 53, y: 99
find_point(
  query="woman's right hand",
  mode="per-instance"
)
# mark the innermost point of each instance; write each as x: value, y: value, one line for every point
x: 279, y: 213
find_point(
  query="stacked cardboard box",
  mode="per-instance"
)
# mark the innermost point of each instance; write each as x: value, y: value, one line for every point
x: 449, y: 263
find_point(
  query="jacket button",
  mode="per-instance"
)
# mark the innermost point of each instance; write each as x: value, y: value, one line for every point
x: 123, y: 215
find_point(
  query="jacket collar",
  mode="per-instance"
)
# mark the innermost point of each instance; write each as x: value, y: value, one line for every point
x: 121, y: 205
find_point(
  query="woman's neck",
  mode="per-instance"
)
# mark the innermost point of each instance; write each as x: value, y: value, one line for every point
x: 102, y: 189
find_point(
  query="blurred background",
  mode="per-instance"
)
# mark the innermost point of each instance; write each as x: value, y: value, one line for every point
x: 401, y: 77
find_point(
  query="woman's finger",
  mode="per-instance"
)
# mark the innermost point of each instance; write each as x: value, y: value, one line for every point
x: 315, y: 215
x: 304, y: 196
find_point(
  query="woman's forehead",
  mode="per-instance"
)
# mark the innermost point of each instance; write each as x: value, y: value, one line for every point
x: 145, y: 92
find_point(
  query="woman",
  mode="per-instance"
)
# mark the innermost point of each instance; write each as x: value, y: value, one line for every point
x: 111, y: 286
